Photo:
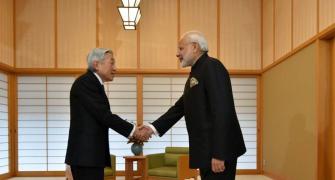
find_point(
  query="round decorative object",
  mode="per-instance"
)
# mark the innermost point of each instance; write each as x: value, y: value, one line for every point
x: 136, y: 149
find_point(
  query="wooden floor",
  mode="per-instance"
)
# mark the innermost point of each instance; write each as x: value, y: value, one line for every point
x: 239, y: 177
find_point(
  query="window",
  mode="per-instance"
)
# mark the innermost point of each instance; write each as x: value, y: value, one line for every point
x: 159, y: 94
x: 43, y: 122
x: 58, y: 120
x: 32, y: 131
x: 122, y: 95
x: 245, y: 98
x: 4, y: 155
x: 44, y: 118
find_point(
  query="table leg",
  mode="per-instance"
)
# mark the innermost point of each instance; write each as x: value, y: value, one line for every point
x: 129, y: 170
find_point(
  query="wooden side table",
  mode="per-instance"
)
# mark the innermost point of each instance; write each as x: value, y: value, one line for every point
x: 140, y: 174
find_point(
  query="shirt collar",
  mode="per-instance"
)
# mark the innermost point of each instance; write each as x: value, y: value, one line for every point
x: 100, y: 80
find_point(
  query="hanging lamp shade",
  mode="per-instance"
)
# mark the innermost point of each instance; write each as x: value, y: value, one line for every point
x: 130, y: 16
x: 130, y: 13
x: 131, y: 3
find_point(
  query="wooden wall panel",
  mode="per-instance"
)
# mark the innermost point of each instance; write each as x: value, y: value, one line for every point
x: 67, y: 30
x: 326, y: 13
x: 200, y: 15
x: 283, y: 27
x: 331, y: 142
x: 289, y: 133
x: 113, y: 36
x: 76, y: 32
x: 35, y: 33
x: 158, y: 34
x: 325, y: 99
x: 6, y: 32
x: 304, y: 21
x: 240, y: 34
x: 268, y: 40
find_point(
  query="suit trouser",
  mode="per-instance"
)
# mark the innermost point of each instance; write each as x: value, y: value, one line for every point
x: 87, y: 173
x: 228, y: 174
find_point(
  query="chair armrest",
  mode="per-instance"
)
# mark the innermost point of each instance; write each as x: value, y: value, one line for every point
x: 113, y: 163
x: 183, y: 168
x: 155, y: 160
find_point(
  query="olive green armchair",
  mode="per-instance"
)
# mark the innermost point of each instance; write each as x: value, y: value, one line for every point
x: 109, y: 172
x: 173, y: 164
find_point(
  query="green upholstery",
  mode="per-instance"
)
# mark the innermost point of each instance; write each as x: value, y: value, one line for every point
x: 155, y: 160
x: 110, y: 172
x: 172, y: 154
x: 171, y: 159
x: 177, y: 150
x: 165, y: 171
x: 167, y: 165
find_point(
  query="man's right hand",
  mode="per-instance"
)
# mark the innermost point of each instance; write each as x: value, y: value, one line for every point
x: 143, y: 133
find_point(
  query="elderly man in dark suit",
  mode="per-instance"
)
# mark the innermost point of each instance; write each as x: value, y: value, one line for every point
x: 215, y: 137
x: 88, y: 144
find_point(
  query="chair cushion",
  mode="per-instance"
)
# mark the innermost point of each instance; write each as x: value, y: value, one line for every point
x: 163, y: 171
x: 108, y: 171
x: 171, y: 159
x: 177, y: 150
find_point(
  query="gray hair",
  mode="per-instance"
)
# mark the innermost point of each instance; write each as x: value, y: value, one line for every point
x: 96, y: 54
x: 197, y: 37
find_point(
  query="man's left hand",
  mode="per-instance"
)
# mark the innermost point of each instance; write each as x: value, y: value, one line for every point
x: 217, y: 165
x: 143, y: 133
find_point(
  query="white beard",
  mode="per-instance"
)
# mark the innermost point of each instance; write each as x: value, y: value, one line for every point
x: 183, y: 64
x: 186, y: 62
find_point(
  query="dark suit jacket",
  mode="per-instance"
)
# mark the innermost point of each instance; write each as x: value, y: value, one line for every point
x: 209, y: 110
x: 88, y: 143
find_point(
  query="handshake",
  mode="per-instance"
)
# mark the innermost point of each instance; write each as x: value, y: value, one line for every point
x: 141, y: 134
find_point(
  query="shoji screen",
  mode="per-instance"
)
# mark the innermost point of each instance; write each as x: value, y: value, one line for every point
x: 245, y: 97
x: 43, y: 122
x: 122, y: 95
x: 58, y: 120
x: 32, y: 124
x: 44, y: 119
x: 159, y: 93
x: 4, y: 155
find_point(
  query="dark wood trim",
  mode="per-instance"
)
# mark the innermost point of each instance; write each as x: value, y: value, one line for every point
x: 274, y: 31
x: 97, y: 23
x: 41, y: 173
x: 139, y: 80
x: 317, y: 16
x: 14, y: 33
x: 63, y: 71
x: 292, y: 25
x: 56, y: 33
x: 261, y: 34
x: 138, y: 46
x: 218, y: 28
x: 259, y: 123
x: 5, y: 176
x: 6, y: 68
x: 12, y: 119
x: 289, y: 54
x: 178, y: 29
